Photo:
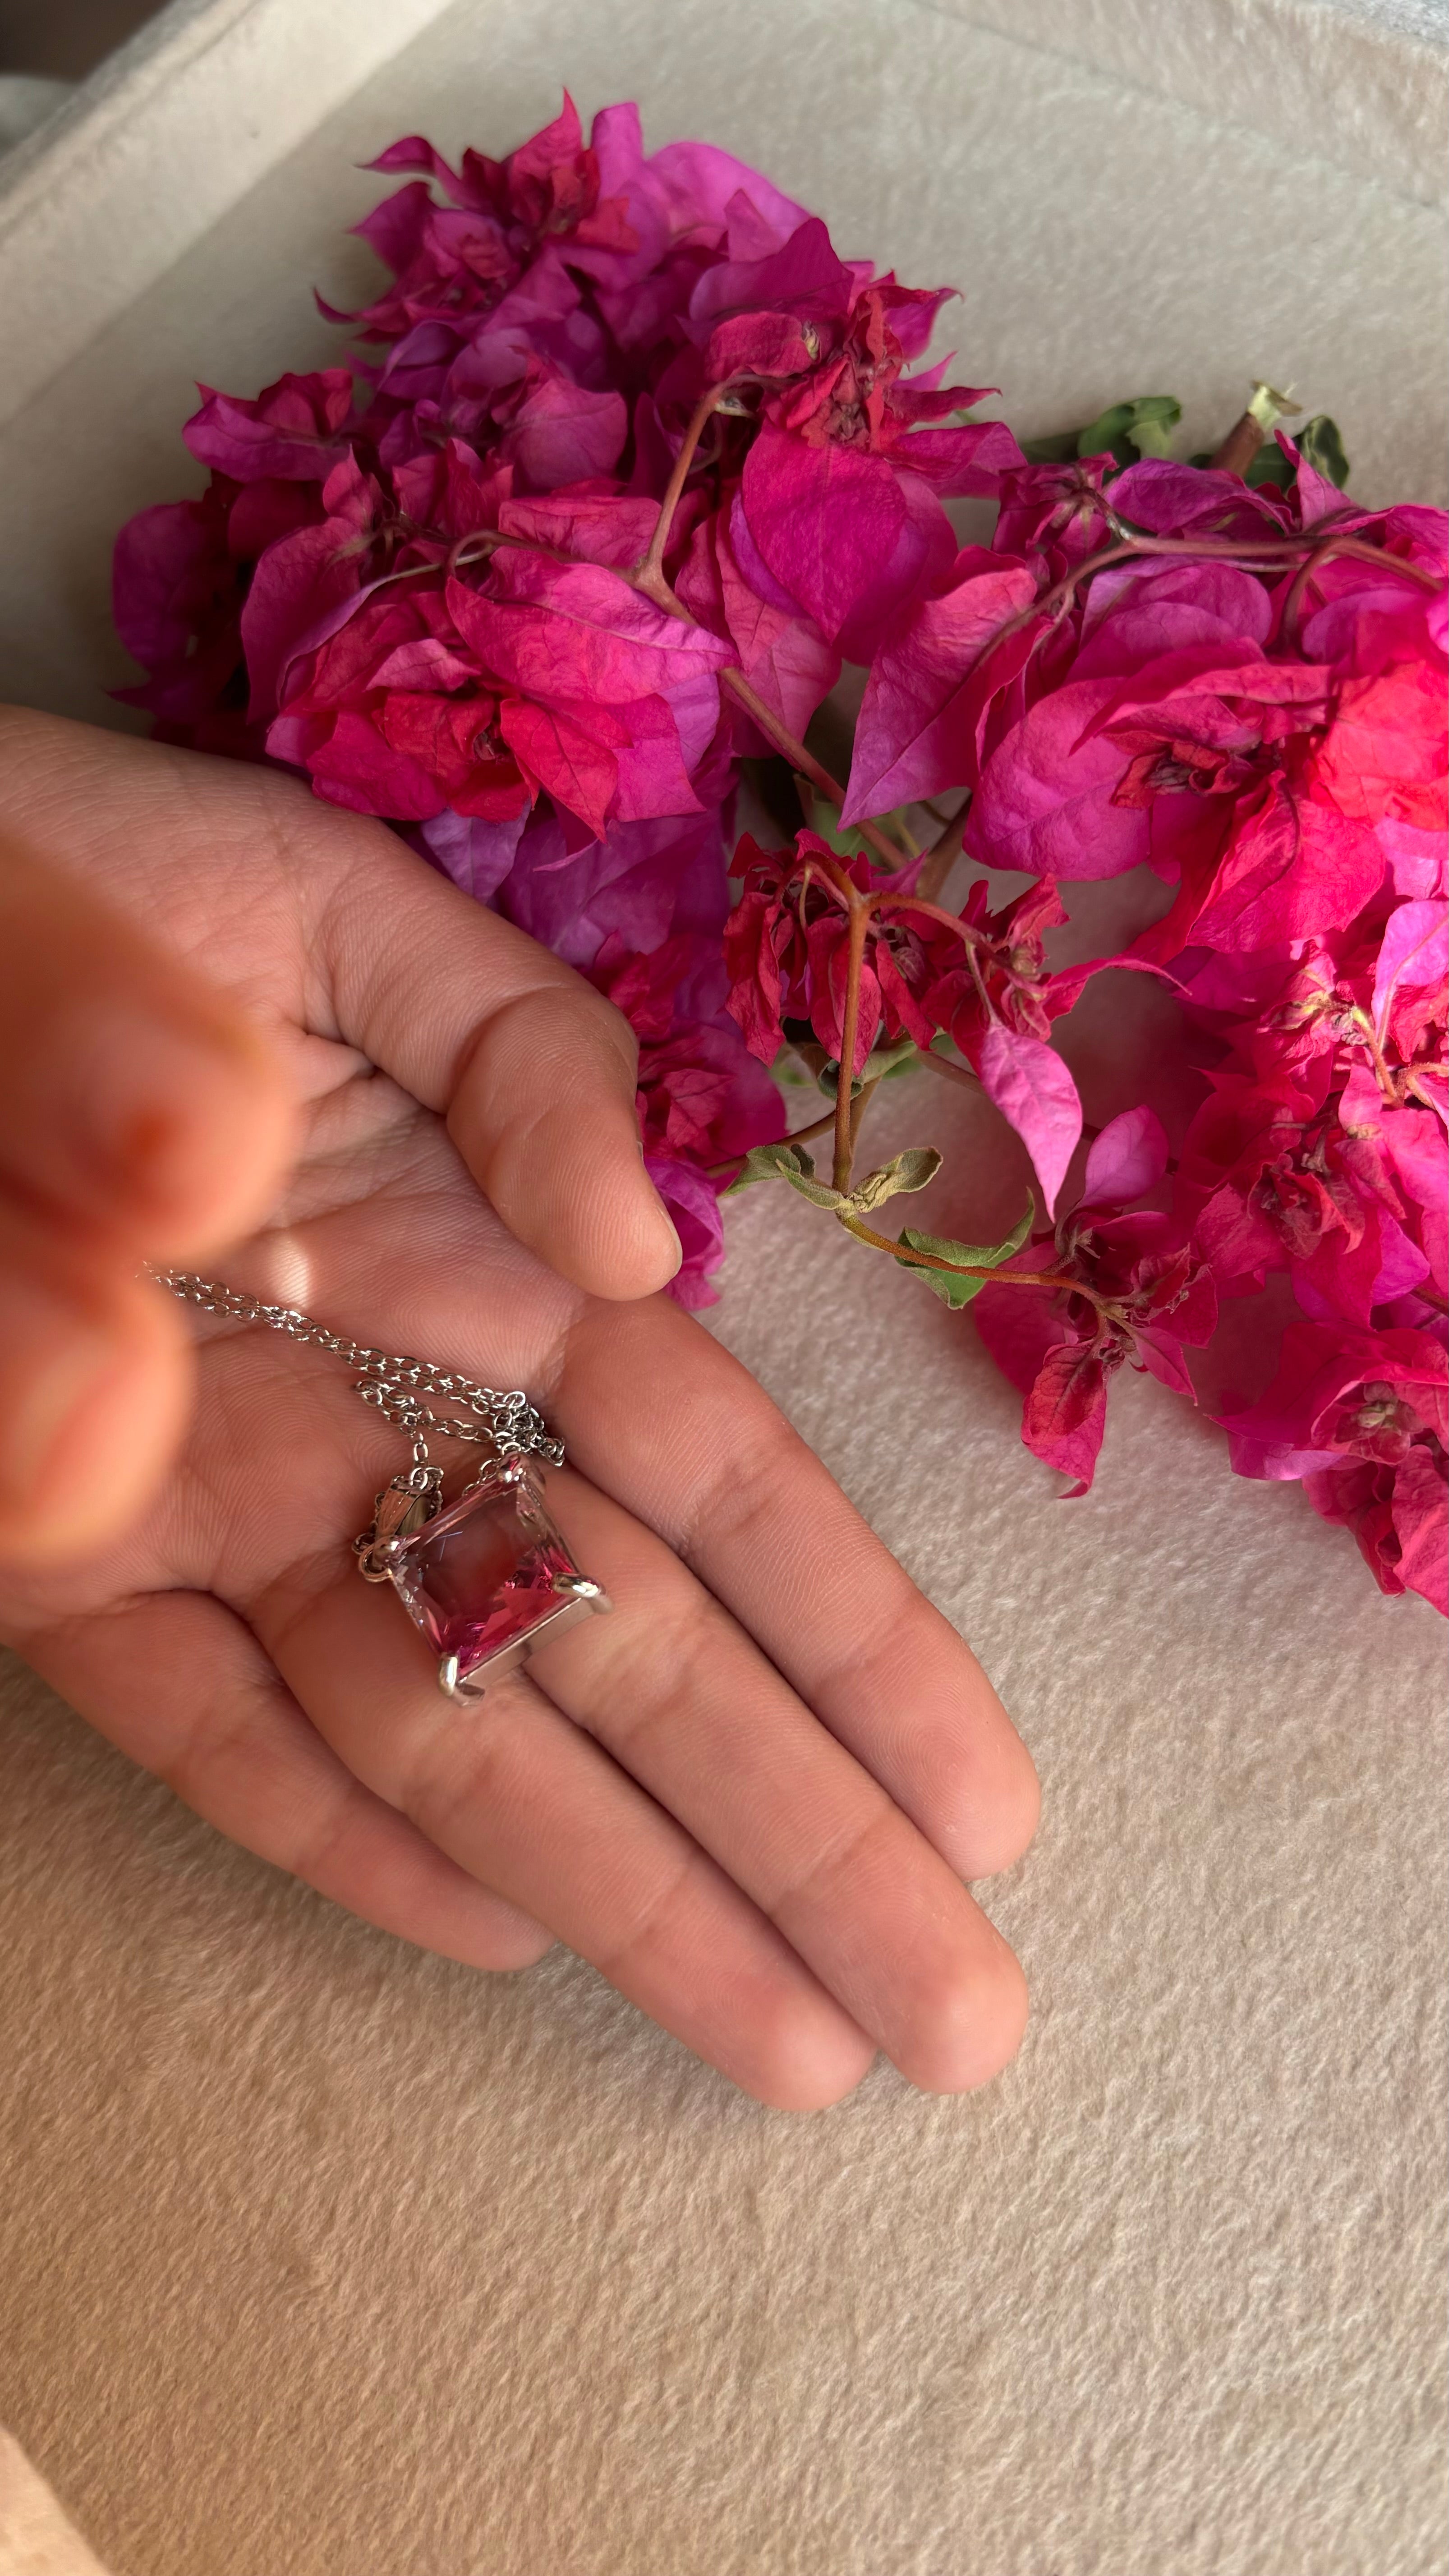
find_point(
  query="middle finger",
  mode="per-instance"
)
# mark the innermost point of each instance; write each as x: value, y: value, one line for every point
x: 687, y: 1703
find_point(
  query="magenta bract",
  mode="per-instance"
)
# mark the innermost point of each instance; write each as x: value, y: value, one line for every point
x: 444, y: 584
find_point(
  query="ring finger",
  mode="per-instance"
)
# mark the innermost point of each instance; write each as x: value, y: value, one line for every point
x: 752, y: 1811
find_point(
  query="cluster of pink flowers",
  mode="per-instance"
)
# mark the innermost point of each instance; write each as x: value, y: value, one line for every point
x: 633, y: 464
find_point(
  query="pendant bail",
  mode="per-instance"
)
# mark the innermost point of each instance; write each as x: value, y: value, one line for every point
x: 402, y: 1508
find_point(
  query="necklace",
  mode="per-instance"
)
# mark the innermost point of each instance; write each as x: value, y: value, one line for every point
x: 487, y: 1577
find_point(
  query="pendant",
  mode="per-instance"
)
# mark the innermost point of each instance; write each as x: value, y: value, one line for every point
x: 487, y: 1578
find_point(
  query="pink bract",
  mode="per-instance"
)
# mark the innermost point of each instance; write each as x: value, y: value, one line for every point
x: 436, y: 583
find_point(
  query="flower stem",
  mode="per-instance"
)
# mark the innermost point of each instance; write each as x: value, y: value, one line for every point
x: 1240, y: 446
x: 1266, y: 408
x: 858, y: 1107
x: 860, y: 912
x: 953, y: 1072
x: 805, y: 761
x: 797, y: 1136
x: 942, y: 855
x: 650, y: 567
x: 972, y: 1270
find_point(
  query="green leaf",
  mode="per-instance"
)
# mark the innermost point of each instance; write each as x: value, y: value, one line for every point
x: 912, y: 1170
x: 1270, y: 467
x: 1153, y: 418
x: 881, y: 1061
x: 785, y: 1162
x: 1056, y: 450
x: 849, y: 843
x: 1133, y: 429
x: 825, y: 823
x: 952, y: 1288
x: 1128, y: 430
x: 1320, y: 442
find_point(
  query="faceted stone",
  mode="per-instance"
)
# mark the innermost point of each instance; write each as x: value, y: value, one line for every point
x: 483, y: 1576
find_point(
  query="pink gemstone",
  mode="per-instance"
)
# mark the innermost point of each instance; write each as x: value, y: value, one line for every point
x: 482, y: 1577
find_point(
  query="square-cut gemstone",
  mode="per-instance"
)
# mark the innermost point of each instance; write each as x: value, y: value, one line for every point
x: 486, y: 1575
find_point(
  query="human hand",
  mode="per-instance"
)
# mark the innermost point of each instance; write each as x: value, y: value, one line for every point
x: 144, y: 1115
x: 751, y: 1794
x: 138, y: 1108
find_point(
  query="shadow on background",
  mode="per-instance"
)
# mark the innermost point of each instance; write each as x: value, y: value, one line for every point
x: 64, y: 39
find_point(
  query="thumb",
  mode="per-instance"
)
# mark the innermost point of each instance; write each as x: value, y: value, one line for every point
x: 543, y: 1115
x: 533, y: 1070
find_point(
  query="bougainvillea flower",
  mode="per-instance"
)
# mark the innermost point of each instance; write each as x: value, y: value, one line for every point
x: 177, y: 595
x: 786, y: 945
x: 785, y: 950
x: 1127, y: 1160
x: 919, y: 731
x: 293, y: 432
x: 430, y: 585
x: 1399, y: 1515
x: 846, y: 538
x: 1036, y: 1095
x: 640, y: 884
x: 461, y: 258
x: 1140, y: 1294
x: 579, y: 638
x: 1364, y: 1420
x: 701, y: 1093
x: 693, y: 1203
x: 1061, y: 1371
x: 1371, y: 1395
x: 781, y: 651
x: 1055, y: 512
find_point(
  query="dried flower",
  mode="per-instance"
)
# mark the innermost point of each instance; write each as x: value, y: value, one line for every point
x: 636, y: 458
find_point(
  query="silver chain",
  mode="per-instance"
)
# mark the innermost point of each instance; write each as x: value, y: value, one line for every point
x: 394, y: 1386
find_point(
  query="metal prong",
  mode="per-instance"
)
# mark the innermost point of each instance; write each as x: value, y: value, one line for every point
x: 448, y: 1676
x: 578, y: 1587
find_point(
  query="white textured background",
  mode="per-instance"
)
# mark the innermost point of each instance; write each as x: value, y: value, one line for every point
x: 318, y: 2258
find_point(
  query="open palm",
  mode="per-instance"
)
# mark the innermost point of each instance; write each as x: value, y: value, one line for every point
x: 752, y: 1793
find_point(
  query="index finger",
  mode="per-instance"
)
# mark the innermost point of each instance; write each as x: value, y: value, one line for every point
x: 533, y: 1070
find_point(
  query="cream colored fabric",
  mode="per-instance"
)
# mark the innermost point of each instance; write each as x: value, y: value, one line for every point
x: 1314, y: 76
x: 320, y: 2258
x: 35, y: 2538
x: 162, y: 141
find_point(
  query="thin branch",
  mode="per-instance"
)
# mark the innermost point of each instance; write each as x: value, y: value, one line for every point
x: 797, y: 1136
x: 942, y: 855
x: 1240, y: 446
x: 795, y: 752
x: 650, y: 567
x: 951, y: 1072
x: 977, y: 1270
x: 1260, y: 552
x: 860, y: 911
x: 1288, y: 621
x: 859, y: 1105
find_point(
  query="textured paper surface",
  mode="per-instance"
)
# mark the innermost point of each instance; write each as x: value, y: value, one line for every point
x: 319, y: 2258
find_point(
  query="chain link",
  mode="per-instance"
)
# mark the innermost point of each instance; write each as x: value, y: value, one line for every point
x: 393, y: 1385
